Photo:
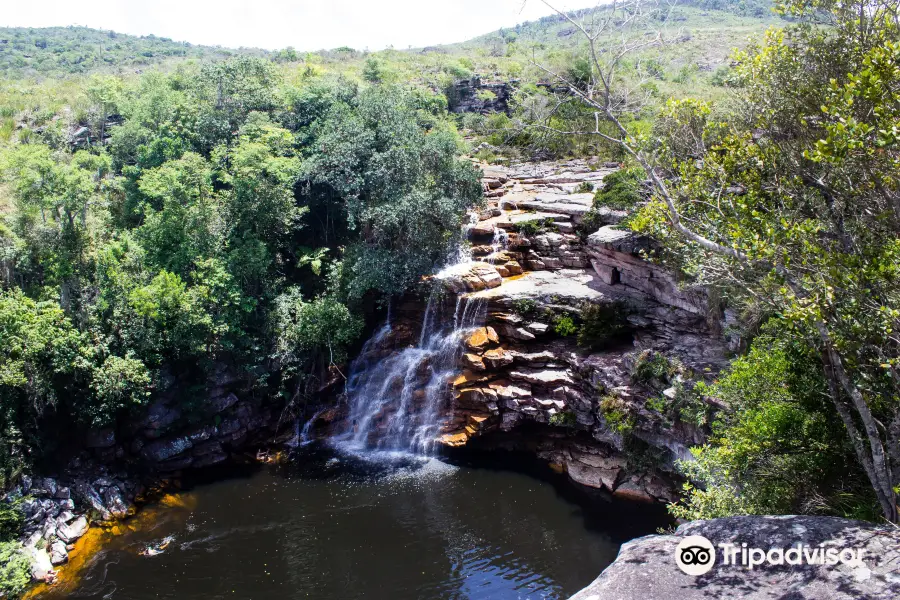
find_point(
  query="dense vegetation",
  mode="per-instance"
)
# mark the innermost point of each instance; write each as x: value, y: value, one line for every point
x: 68, y: 50
x: 226, y: 216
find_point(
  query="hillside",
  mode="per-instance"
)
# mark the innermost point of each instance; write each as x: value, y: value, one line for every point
x: 43, y: 71
x: 54, y: 51
x: 699, y: 39
x: 701, y: 33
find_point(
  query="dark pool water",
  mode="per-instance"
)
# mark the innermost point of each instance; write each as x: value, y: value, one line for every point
x: 334, y: 526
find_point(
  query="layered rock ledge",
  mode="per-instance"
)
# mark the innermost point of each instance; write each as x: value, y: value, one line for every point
x: 645, y: 567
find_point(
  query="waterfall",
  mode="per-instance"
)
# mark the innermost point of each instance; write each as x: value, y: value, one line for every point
x: 396, y: 400
x: 396, y: 397
x: 463, y: 253
x: 500, y: 243
x: 302, y: 434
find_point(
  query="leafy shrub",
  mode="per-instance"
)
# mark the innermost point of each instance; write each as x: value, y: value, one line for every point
x: 687, y: 406
x: 535, y: 226
x: 724, y: 76
x: 15, y: 570
x: 615, y: 413
x: 119, y: 384
x: 602, y: 324
x: 524, y: 306
x: 11, y: 520
x: 777, y: 450
x: 306, y: 332
x: 585, y: 187
x: 621, y: 190
x: 564, y: 325
x: 486, y: 95
x: 653, y: 368
x: 654, y: 68
x: 373, y: 70
x: 563, y: 419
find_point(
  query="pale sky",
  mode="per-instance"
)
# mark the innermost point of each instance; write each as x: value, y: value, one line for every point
x: 272, y: 24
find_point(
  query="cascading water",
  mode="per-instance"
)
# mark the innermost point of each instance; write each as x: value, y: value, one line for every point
x: 396, y: 400
x: 302, y: 435
x: 463, y: 252
x: 499, y: 244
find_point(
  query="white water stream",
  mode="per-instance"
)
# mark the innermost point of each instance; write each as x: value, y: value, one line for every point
x: 397, y: 399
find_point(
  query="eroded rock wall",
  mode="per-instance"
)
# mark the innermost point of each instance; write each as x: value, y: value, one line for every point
x: 475, y: 95
x: 111, y: 471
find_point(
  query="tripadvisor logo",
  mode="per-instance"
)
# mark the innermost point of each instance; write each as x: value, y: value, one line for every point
x: 696, y: 555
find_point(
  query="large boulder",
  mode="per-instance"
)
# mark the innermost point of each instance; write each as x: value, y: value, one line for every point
x: 58, y: 553
x: 470, y: 277
x: 165, y: 449
x: 115, y: 503
x: 74, y: 530
x: 646, y: 567
x: 41, y: 564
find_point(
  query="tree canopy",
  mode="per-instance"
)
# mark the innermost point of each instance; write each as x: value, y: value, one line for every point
x: 225, y: 216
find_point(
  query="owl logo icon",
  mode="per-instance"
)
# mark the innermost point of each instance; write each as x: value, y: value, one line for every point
x: 695, y: 555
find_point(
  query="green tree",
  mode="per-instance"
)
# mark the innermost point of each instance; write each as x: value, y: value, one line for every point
x: 119, y: 384
x: 373, y: 70
x: 182, y: 222
x: 777, y: 448
x: 44, y: 360
x: 15, y: 570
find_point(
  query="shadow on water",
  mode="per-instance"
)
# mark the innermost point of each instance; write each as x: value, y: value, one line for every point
x: 622, y: 520
x: 333, y: 524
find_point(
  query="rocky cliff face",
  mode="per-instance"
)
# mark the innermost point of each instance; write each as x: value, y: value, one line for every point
x: 477, y: 96
x: 523, y: 379
x: 646, y: 568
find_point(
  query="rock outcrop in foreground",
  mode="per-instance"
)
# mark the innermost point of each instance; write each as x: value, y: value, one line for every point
x: 645, y: 567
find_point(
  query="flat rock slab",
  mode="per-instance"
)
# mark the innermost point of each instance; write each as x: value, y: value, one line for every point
x: 570, y: 209
x: 609, y: 235
x: 570, y: 286
x: 646, y: 568
x: 511, y: 220
x: 545, y: 377
x: 584, y: 199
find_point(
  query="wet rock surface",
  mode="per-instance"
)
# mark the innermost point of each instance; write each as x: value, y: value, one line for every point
x: 645, y: 567
x: 59, y: 511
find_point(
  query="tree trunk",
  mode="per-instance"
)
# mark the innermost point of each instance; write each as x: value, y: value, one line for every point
x: 873, y: 460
